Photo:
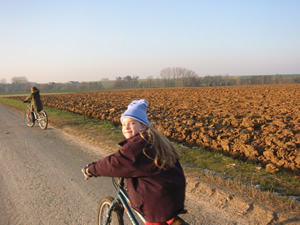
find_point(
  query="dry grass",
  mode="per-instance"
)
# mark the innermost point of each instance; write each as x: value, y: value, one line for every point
x: 248, y: 192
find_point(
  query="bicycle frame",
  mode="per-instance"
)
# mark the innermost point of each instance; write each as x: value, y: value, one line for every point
x: 122, y: 196
x: 35, y: 115
x: 42, y: 121
x: 123, y: 199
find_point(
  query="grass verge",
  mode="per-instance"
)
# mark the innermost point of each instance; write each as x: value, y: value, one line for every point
x: 236, y: 175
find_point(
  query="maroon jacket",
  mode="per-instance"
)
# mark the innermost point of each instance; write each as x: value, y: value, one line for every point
x: 157, y: 194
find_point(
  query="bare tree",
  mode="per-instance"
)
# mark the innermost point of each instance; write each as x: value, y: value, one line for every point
x: 18, y: 83
x: 3, y: 85
x: 150, y: 82
x: 118, y: 83
x: 278, y: 79
x: 182, y: 77
x: 188, y: 77
x: 134, y: 82
x: 167, y: 75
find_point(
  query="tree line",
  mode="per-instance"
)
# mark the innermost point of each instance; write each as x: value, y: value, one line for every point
x: 169, y: 77
x: 21, y: 84
x: 182, y: 77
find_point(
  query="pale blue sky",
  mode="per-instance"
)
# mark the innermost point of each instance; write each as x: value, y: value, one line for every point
x: 87, y: 40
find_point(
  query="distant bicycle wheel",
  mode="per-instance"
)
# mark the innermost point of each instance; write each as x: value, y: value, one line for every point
x: 116, y: 216
x: 43, y: 120
x: 28, y: 121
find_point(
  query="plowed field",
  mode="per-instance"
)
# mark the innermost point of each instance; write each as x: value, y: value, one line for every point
x: 259, y: 123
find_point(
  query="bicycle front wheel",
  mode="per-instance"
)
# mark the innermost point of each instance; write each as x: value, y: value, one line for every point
x: 28, y: 121
x: 107, y: 216
x: 43, y: 120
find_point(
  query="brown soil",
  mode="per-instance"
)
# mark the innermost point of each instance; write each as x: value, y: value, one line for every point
x: 258, y: 123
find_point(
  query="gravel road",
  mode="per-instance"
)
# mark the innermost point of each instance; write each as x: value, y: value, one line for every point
x: 41, y: 181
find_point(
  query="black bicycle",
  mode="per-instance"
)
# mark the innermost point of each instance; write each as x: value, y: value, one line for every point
x: 32, y: 116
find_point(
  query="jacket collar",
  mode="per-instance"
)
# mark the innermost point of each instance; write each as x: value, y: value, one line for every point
x: 126, y: 140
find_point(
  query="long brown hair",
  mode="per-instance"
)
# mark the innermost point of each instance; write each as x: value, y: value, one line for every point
x: 166, y: 154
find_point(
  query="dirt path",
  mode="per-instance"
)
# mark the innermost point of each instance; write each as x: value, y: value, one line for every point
x: 41, y: 182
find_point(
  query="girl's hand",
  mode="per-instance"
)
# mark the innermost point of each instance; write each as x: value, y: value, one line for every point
x: 86, y: 173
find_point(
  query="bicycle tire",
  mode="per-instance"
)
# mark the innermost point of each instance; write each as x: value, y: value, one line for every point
x: 116, y: 217
x: 28, y: 121
x: 43, y: 119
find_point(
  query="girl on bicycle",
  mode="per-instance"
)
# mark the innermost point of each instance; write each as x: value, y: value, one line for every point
x: 155, y: 181
x: 34, y: 97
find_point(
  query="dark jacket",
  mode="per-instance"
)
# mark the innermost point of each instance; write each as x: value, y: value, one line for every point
x: 157, y: 194
x: 36, y: 103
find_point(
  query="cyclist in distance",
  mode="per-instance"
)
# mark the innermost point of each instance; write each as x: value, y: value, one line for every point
x: 155, y: 181
x: 34, y: 97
